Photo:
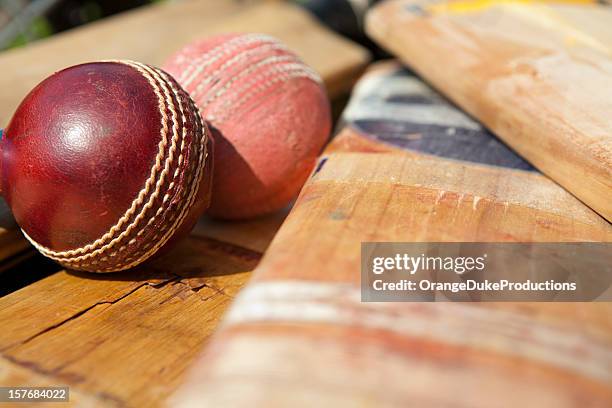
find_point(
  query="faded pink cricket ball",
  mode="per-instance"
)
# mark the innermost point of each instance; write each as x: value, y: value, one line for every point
x: 269, y: 115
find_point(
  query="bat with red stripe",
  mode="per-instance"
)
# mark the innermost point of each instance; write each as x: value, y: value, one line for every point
x: 407, y: 166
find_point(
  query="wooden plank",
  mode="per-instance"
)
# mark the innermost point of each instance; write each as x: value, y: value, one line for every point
x: 151, y: 34
x: 171, y: 306
x: 14, y: 375
x: 318, y: 345
x: 537, y: 74
x: 253, y: 234
x: 124, y: 339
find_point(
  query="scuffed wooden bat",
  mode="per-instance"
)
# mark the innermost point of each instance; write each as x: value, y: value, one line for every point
x: 538, y: 74
x: 298, y: 334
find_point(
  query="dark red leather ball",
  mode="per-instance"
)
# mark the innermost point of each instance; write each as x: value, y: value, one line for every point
x: 105, y: 164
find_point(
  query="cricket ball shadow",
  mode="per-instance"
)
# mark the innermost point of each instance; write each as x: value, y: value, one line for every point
x: 232, y: 176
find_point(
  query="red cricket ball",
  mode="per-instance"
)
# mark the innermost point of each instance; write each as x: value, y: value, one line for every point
x: 105, y: 164
x: 269, y: 115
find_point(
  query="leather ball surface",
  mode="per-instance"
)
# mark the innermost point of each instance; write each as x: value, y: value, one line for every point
x: 106, y: 164
x: 269, y: 115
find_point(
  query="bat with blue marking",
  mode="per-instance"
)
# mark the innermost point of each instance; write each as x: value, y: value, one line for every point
x: 406, y: 166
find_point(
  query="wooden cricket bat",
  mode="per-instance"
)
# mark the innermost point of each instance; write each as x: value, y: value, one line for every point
x: 298, y: 334
x: 538, y: 74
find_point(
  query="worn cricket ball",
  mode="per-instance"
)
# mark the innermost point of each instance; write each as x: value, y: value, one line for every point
x: 105, y: 164
x: 269, y: 115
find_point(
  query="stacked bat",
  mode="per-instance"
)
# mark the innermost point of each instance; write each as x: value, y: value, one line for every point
x: 408, y: 166
x: 537, y: 75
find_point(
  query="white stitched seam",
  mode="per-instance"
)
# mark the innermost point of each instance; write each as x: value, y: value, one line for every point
x: 253, y: 88
x: 163, y: 207
x: 188, y: 203
x: 222, y: 89
x: 236, y: 60
x: 59, y: 255
x: 201, y: 147
x: 207, y: 59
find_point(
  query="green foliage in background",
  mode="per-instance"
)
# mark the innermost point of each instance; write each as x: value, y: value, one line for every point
x: 40, y: 28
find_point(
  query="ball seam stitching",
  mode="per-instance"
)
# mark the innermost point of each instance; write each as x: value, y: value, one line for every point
x: 144, y: 193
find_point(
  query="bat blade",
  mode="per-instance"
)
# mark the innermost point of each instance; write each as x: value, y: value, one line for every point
x: 537, y: 74
x: 299, y: 334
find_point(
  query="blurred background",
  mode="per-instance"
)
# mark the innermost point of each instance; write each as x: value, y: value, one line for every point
x: 23, y: 21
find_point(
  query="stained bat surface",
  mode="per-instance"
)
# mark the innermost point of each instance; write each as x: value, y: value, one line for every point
x: 299, y: 335
x: 537, y: 74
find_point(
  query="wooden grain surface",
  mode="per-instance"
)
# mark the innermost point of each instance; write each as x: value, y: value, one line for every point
x: 303, y: 316
x: 392, y: 111
x: 126, y: 339
x: 537, y: 74
x: 298, y: 334
x: 151, y: 34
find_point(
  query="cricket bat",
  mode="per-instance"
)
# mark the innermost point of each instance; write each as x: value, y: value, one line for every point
x: 298, y: 334
x: 538, y: 74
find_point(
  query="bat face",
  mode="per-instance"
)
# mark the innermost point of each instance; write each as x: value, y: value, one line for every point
x: 391, y: 107
x: 390, y: 176
x: 535, y: 73
x: 393, y: 111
